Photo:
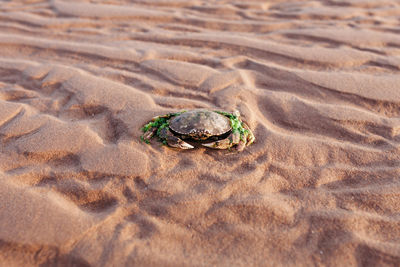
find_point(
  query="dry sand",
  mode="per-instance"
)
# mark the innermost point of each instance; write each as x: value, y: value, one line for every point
x: 317, y: 81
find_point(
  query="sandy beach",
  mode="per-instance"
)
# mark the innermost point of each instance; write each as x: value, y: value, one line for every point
x: 318, y: 82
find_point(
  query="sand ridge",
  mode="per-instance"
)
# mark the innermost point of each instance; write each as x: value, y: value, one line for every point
x: 315, y: 80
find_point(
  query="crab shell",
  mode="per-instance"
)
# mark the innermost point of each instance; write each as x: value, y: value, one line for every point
x: 200, y: 124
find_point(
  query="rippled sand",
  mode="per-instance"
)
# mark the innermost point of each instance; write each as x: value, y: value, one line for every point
x: 317, y: 81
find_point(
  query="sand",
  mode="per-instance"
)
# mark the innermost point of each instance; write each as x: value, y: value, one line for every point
x: 317, y: 81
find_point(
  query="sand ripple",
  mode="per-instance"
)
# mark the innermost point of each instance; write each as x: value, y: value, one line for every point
x: 316, y: 80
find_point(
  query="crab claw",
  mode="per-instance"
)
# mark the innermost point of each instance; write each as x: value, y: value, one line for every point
x: 221, y: 144
x: 174, y: 141
x: 226, y: 143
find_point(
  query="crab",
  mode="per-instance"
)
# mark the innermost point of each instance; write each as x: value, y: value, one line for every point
x: 213, y: 129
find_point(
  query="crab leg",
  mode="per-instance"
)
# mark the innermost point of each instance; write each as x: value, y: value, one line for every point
x: 250, y: 136
x: 166, y: 116
x: 149, y: 134
x: 172, y: 140
x: 247, y: 139
x: 242, y: 143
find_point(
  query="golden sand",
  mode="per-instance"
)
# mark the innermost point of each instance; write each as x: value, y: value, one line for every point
x: 317, y: 81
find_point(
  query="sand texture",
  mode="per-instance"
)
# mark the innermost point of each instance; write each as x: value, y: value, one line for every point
x: 317, y: 81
